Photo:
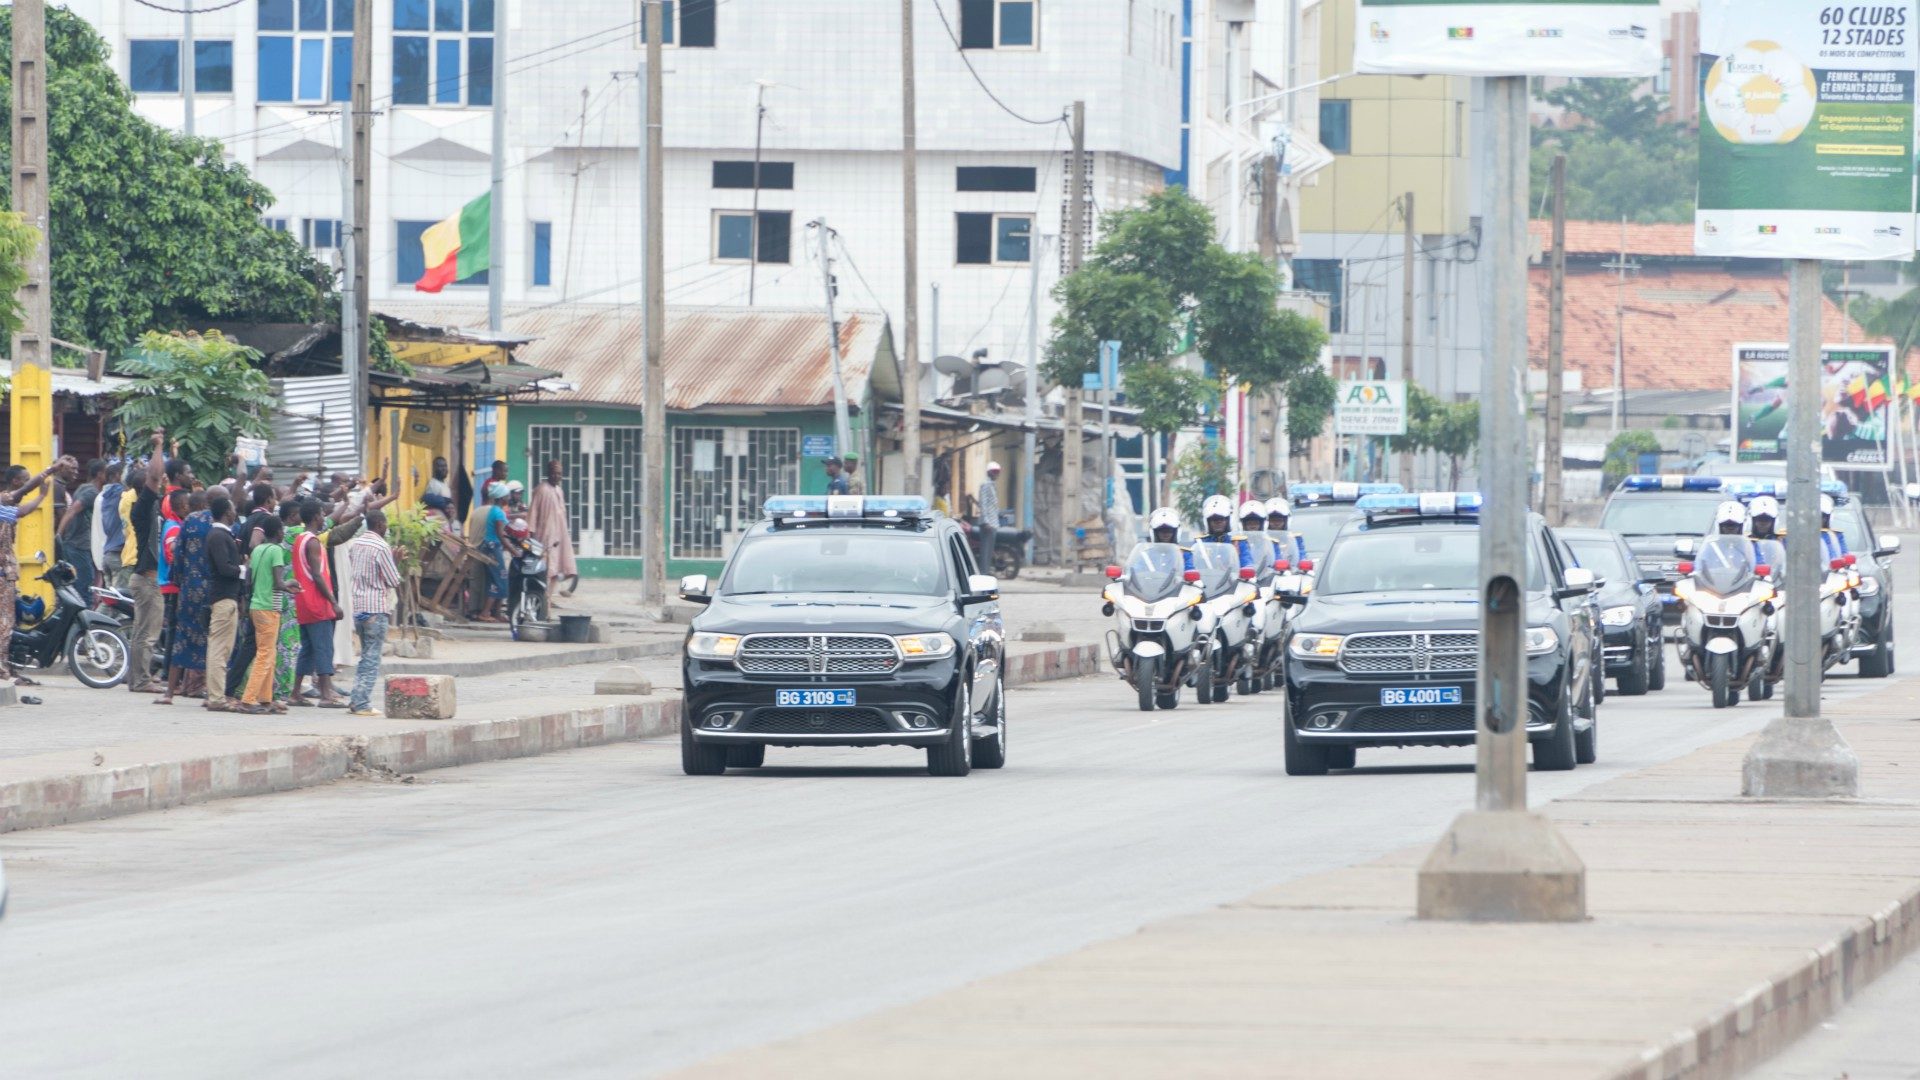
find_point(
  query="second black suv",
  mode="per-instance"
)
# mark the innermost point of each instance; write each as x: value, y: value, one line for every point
x: 1874, y: 645
x: 1630, y: 617
x: 846, y: 621
x: 1652, y: 512
x: 1386, y: 649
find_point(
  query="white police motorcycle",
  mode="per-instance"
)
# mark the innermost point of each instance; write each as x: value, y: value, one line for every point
x: 1726, y: 641
x: 1229, y: 599
x: 1161, y: 631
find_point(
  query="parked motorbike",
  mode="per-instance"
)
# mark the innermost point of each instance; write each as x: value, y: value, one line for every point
x: 1009, y: 547
x: 1228, y: 595
x: 1725, y: 643
x: 527, y: 600
x: 1160, y: 634
x: 89, y: 641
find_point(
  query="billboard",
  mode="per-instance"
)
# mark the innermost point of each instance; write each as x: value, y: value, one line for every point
x: 1855, y: 385
x: 1370, y: 407
x: 1617, y: 38
x: 1806, y: 137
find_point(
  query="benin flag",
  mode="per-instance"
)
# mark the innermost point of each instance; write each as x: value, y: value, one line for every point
x: 1877, y: 394
x: 459, y: 247
x: 1857, y: 389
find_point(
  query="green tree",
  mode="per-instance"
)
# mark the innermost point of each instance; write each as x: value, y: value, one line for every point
x: 1160, y: 285
x: 1622, y: 160
x: 1202, y: 469
x: 1310, y: 405
x: 17, y: 240
x: 149, y: 228
x: 202, y: 388
x: 1451, y: 430
x: 1623, y: 455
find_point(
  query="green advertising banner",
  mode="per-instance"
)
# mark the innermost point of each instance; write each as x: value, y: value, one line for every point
x: 1856, y: 383
x: 1616, y: 38
x: 1806, y: 137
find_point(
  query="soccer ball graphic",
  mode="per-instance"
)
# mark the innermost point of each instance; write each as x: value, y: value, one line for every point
x: 1760, y: 94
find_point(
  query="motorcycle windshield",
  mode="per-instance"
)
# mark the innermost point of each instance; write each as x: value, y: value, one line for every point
x: 1155, y: 572
x: 1725, y: 564
x: 1219, y: 566
x: 1263, y: 549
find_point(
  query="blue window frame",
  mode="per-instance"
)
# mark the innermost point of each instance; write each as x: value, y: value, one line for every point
x: 213, y: 67
x: 153, y: 67
x: 1329, y: 277
x: 322, y: 233
x: 410, y: 262
x: 276, y: 68
x: 305, y: 51
x: 443, y: 52
x: 276, y: 14
x: 542, y: 254
x: 1336, y: 126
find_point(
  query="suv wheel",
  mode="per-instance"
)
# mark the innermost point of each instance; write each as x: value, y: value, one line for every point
x: 1657, y: 664
x: 1877, y: 664
x: 1302, y: 759
x: 1557, y: 753
x: 991, y: 752
x: 698, y: 758
x: 1638, y: 677
x: 954, y: 757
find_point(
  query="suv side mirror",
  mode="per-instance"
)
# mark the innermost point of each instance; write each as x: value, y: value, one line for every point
x: 981, y: 588
x: 1579, y: 582
x: 1683, y: 547
x: 1889, y: 545
x: 693, y: 589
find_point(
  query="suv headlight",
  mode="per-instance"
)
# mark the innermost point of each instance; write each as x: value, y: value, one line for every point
x: 925, y: 646
x: 1541, y: 639
x: 704, y: 646
x: 1315, y: 646
x: 1617, y: 616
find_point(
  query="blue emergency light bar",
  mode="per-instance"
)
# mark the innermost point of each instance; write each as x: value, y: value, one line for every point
x: 808, y: 508
x: 1428, y: 504
x: 1310, y: 494
x: 1745, y: 490
x: 1670, y: 482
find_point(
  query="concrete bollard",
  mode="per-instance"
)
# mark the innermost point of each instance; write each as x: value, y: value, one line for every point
x: 625, y: 679
x: 420, y: 697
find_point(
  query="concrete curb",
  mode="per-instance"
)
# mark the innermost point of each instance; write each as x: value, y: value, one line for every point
x: 263, y: 764
x: 604, y: 654
x: 1770, y: 1015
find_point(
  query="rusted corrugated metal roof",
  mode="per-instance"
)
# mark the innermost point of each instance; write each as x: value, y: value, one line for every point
x: 720, y: 357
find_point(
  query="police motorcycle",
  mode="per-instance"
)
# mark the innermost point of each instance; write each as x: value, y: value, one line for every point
x: 1269, y: 614
x: 1725, y: 642
x: 1229, y: 596
x: 1161, y: 632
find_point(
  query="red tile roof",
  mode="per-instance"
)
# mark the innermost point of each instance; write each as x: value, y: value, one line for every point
x: 1603, y: 238
x: 1680, y: 326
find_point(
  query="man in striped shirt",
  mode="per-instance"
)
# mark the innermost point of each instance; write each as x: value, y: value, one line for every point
x: 371, y: 577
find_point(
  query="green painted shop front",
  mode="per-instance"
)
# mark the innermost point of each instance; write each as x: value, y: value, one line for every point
x: 720, y: 469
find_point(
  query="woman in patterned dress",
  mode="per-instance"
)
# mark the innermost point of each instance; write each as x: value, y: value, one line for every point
x: 286, y: 659
x: 193, y: 570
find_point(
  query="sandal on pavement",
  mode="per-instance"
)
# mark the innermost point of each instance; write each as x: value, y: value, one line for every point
x: 22, y: 680
x: 333, y: 704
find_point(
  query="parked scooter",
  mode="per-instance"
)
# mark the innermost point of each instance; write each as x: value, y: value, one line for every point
x: 527, y: 600
x: 1228, y: 597
x: 1725, y: 642
x: 1009, y: 547
x: 1160, y: 634
x: 90, y: 642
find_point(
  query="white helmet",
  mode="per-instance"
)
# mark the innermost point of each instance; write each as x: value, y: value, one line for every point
x: 1731, y: 512
x: 1826, y: 506
x: 1165, y: 517
x: 1766, y: 506
x: 1253, y: 508
x: 1217, y: 506
x: 1281, y: 506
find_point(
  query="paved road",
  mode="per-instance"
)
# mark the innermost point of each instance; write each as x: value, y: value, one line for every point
x: 1871, y: 1039
x: 595, y: 913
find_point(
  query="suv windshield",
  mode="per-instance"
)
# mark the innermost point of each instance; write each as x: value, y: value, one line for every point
x: 1676, y: 513
x: 837, y: 561
x: 1603, y: 558
x: 1410, y: 559
x: 1155, y: 571
x: 1316, y: 525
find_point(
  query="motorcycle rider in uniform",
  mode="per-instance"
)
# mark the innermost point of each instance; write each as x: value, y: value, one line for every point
x: 1218, y: 510
x: 1763, y: 528
x: 1279, y: 511
x: 1164, y: 526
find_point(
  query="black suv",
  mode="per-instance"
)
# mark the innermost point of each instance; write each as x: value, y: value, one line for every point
x: 1652, y: 512
x: 845, y: 621
x: 1630, y: 616
x: 1386, y: 649
x: 1874, y: 645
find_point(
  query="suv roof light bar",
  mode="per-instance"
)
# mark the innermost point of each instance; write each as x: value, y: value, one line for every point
x: 1753, y: 489
x: 799, y: 509
x: 1312, y: 494
x: 1670, y: 482
x: 1429, y: 504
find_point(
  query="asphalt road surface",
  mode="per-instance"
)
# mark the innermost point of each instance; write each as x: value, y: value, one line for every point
x: 595, y: 913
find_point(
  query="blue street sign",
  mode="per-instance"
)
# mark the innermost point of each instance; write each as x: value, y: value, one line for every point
x: 1110, y: 364
x: 1090, y: 380
x: 816, y: 446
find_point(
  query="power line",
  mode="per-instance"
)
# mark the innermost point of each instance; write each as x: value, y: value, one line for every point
x: 190, y: 11
x: 984, y: 88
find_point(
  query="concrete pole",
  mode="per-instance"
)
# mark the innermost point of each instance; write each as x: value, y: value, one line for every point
x: 360, y: 221
x: 1409, y: 244
x: 910, y: 238
x: 1499, y: 862
x: 1550, y: 485
x: 842, y: 438
x: 353, y: 350
x: 497, y: 225
x: 1800, y: 754
x: 1070, y: 425
x: 31, y: 438
x: 1030, y: 439
x: 653, y: 551
x: 192, y: 69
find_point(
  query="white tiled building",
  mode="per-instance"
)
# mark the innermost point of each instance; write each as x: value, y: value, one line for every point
x: 826, y: 70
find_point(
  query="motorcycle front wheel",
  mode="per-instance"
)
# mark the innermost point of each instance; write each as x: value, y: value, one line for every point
x: 1720, y: 676
x: 98, y: 658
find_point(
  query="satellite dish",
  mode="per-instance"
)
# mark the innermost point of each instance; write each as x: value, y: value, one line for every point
x: 991, y: 379
x: 952, y: 365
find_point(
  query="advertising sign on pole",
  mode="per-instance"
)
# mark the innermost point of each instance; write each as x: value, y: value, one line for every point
x: 1855, y: 385
x: 1614, y: 38
x: 1371, y: 407
x: 1806, y: 142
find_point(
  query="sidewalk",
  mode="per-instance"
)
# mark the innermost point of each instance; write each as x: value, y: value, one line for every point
x: 1721, y: 928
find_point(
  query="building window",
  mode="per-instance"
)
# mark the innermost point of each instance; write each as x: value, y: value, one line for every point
x: 689, y: 23
x: 322, y: 234
x: 993, y: 239
x: 410, y: 261
x: 153, y: 67
x: 277, y: 224
x: 305, y: 50
x: 542, y: 254
x: 443, y: 52
x: 733, y: 236
x: 1335, y: 126
x: 999, y: 24
x: 213, y: 67
x: 1328, y: 278
x: 1663, y: 82
x: 994, y: 178
x: 774, y: 175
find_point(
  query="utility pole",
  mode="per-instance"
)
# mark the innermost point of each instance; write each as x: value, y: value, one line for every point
x: 32, y: 394
x: 497, y: 225
x: 360, y: 216
x: 192, y: 68
x: 1071, y: 420
x: 1407, y: 248
x: 753, y: 223
x: 1030, y: 439
x: 653, y: 420
x: 842, y: 439
x: 1268, y: 439
x: 1550, y: 487
x: 1500, y: 862
x: 910, y: 238
x: 1800, y: 754
x: 1620, y: 332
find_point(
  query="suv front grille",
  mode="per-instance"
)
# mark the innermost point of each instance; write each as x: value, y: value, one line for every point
x: 817, y: 654
x: 1445, y: 652
x: 817, y: 722
x: 1395, y: 721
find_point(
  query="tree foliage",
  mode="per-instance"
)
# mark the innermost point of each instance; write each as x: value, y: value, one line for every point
x: 1202, y: 469
x: 1451, y: 430
x: 17, y: 240
x: 1310, y: 405
x: 1623, y: 454
x: 1160, y: 285
x: 150, y: 229
x: 203, y: 389
x: 1622, y: 159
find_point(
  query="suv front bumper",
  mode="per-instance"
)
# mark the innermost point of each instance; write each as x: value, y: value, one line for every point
x: 912, y: 706
x: 1330, y: 707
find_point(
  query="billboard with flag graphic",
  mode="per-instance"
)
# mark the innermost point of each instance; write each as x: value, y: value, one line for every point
x: 1855, y: 386
x: 1619, y: 38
